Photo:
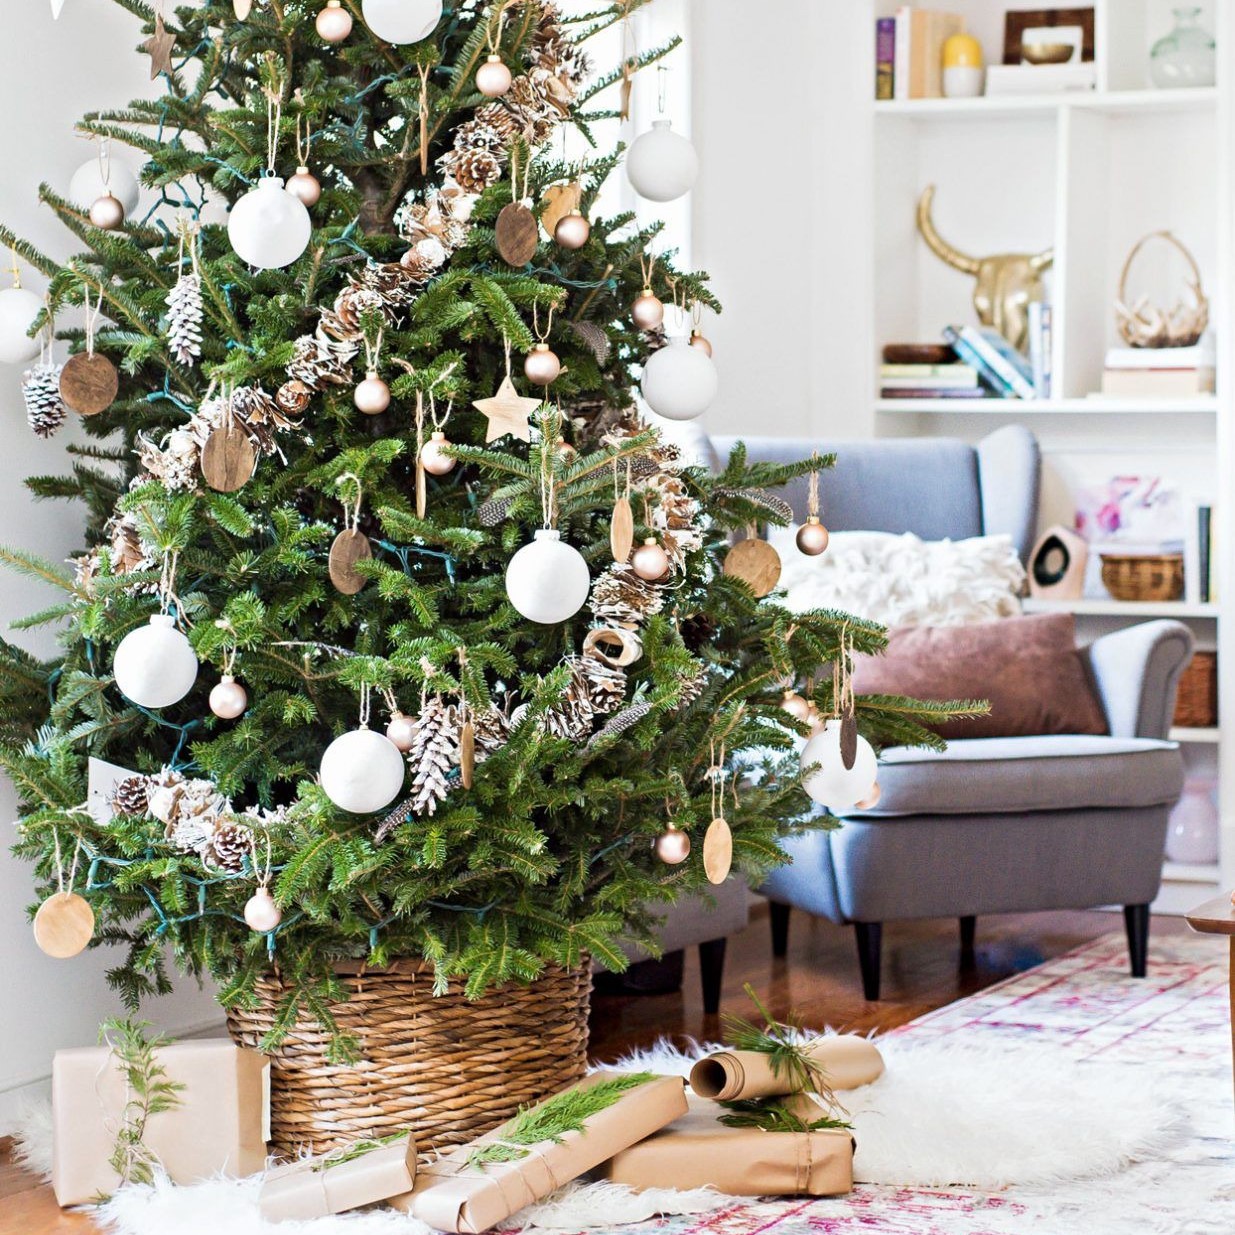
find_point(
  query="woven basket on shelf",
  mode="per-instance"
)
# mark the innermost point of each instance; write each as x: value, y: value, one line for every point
x: 1196, y: 704
x: 447, y: 1067
x: 1156, y: 576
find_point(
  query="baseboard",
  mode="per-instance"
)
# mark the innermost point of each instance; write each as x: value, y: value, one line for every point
x: 15, y: 1099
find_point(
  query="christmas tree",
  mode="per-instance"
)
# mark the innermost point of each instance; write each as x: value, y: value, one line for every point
x: 324, y: 432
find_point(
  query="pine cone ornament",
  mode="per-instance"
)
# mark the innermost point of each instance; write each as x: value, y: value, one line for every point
x: 690, y: 687
x: 184, y: 318
x: 620, y: 596
x: 129, y: 553
x: 432, y: 755
x: 478, y: 135
x: 320, y: 361
x: 472, y: 170
x: 389, y: 282
x: 572, y: 717
x: 194, y: 814
x: 228, y: 846
x: 350, y: 306
x: 175, y: 464
x: 260, y: 417
x: 605, y: 684
x: 293, y: 397
x: 492, y: 730
x: 419, y: 265
x: 497, y: 118
x: 131, y: 797
x: 40, y: 390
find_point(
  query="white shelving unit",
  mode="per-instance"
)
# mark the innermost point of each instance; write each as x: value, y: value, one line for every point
x: 1087, y: 174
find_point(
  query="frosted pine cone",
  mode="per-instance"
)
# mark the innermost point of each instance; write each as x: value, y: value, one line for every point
x: 432, y: 755
x: 477, y: 135
x: 319, y: 361
x: 293, y: 397
x: 228, y: 846
x: 492, y: 730
x: 194, y: 815
x: 129, y: 552
x: 497, y: 118
x: 390, y: 283
x: 620, y: 596
x: 184, y: 318
x: 606, y: 684
x: 40, y: 390
x: 175, y: 465
x: 473, y: 170
x: 131, y: 797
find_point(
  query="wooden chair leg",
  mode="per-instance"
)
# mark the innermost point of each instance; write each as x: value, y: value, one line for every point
x: 778, y: 915
x: 712, y: 971
x: 1136, y: 921
x: 870, y: 939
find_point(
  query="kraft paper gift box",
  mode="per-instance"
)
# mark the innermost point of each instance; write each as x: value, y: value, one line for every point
x: 219, y: 1126
x: 698, y: 1151
x: 845, y: 1061
x: 451, y: 1195
x: 335, y: 1183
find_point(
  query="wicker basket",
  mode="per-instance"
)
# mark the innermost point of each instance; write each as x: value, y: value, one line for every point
x: 447, y: 1067
x: 1158, y: 576
x: 1196, y: 704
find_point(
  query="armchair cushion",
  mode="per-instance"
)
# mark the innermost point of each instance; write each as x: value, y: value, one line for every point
x: 1028, y: 668
x: 1015, y: 775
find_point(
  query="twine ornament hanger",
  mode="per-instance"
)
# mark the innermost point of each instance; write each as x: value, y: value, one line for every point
x: 718, y: 840
x: 548, y: 484
x: 630, y: 61
x: 350, y: 546
x: 89, y: 382
x: 274, y: 121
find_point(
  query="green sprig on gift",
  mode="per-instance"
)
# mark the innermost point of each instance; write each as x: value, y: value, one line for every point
x: 772, y: 1115
x: 568, y: 1111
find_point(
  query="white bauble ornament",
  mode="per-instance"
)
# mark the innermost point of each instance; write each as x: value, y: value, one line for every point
x: 362, y: 771
x: 87, y: 185
x: 401, y: 731
x: 547, y: 581
x: 268, y: 227
x: 261, y: 914
x: 401, y: 21
x: 679, y: 382
x: 228, y: 699
x: 832, y: 784
x: 155, y: 665
x: 662, y: 164
x: 18, y: 309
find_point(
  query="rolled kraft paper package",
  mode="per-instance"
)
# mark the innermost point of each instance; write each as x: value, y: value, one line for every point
x: 845, y: 1060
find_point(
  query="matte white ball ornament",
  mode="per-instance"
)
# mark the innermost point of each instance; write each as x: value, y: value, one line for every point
x: 155, y: 665
x: 402, y: 21
x: 662, y: 164
x: 832, y: 784
x: 18, y: 309
x: 269, y: 228
x: 362, y: 771
x: 87, y: 185
x: 679, y: 382
x: 547, y: 581
x: 261, y: 914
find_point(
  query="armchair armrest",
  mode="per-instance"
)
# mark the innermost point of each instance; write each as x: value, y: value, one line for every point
x: 1137, y: 670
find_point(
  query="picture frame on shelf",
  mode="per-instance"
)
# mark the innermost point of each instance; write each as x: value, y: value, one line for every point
x: 1047, y: 28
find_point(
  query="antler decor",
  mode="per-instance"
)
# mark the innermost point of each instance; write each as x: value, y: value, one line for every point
x: 1145, y: 326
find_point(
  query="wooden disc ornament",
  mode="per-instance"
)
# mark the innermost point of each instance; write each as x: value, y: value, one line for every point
x: 350, y: 546
x: 64, y: 925
x: 622, y: 525
x: 718, y: 850
x: 229, y: 458
x: 467, y: 754
x: 516, y: 234
x: 756, y: 563
x: 848, y: 740
x: 89, y: 383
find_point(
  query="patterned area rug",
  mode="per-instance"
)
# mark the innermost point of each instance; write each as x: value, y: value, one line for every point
x: 1171, y: 1028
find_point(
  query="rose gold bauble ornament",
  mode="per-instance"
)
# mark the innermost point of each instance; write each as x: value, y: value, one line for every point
x: 648, y: 312
x: 306, y: 186
x: 542, y: 365
x: 433, y: 458
x: 372, y: 396
x: 697, y: 340
x: 566, y: 450
x: 672, y: 846
x: 107, y: 212
x: 401, y: 731
x: 795, y: 705
x: 228, y: 699
x: 812, y: 537
x: 814, y: 718
x: 261, y: 913
x: 650, y: 561
x: 493, y: 78
x: 572, y: 230
x: 871, y: 800
x: 334, y: 22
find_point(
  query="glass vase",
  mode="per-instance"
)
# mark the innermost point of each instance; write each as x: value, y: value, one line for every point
x: 1186, y: 56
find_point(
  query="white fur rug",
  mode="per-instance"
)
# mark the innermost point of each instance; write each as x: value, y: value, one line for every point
x: 941, y: 1115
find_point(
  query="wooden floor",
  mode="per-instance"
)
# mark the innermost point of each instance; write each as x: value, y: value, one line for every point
x: 818, y: 980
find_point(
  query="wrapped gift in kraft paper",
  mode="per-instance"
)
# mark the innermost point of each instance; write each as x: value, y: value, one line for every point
x: 476, y: 1186
x: 698, y: 1151
x: 219, y: 1125
x: 335, y: 1183
x: 844, y: 1061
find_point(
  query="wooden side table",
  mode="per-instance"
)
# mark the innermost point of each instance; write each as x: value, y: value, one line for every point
x: 1217, y: 917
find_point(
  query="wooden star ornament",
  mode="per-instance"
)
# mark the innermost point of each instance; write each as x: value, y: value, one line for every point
x: 507, y: 412
x: 159, y: 47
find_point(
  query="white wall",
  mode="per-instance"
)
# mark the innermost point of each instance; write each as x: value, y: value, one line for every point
x: 51, y: 73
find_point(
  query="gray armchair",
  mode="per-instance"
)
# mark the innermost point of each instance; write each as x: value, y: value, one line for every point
x: 1003, y: 824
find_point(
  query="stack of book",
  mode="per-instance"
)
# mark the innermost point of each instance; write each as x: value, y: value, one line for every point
x: 1159, y: 372
x: 909, y: 52
x: 1000, y: 367
x: 929, y: 381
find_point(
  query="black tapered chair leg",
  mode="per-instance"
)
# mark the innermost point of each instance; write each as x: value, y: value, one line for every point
x: 1136, y: 921
x: 969, y: 930
x: 712, y: 971
x: 870, y: 939
x: 779, y: 917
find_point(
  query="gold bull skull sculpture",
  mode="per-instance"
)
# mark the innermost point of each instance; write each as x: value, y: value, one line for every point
x: 1005, y: 284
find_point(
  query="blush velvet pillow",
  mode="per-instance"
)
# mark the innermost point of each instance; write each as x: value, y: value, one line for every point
x: 1027, y: 668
